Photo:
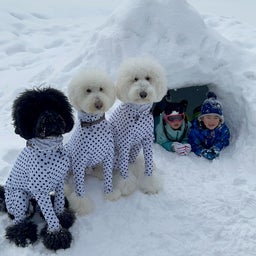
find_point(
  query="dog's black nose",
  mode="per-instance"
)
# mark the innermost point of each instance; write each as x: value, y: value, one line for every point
x: 143, y: 94
x: 98, y: 104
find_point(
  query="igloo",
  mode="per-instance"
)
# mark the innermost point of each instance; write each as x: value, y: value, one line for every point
x: 192, y: 54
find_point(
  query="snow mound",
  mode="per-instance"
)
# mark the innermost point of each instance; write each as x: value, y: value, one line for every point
x: 192, y: 54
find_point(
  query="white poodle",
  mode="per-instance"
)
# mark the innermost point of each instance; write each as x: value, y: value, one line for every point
x: 140, y: 82
x: 92, y: 93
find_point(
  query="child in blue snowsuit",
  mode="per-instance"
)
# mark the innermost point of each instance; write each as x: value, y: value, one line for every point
x: 209, y: 134
x: 171, y: 128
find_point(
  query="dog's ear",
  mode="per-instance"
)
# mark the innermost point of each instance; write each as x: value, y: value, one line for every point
x: 30, y: 104
x: 61, y: 105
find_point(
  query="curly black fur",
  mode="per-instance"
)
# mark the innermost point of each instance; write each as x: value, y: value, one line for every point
x: 33, y: 110
x: 22, y: 234
x: 66, y: 205
x: 67, y: 218
x: 56, y: 240
x: 2, y: 200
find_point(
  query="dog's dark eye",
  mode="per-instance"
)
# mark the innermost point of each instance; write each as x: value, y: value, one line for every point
x: 148, y: 78
x: 88, y: 90
x: 136, y: 79
x: 101, y: 89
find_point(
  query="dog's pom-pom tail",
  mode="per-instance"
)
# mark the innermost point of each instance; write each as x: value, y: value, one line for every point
x: 67, y: 218
x: 22, y: 234
x: 2, y: 200
x: 56, y: 240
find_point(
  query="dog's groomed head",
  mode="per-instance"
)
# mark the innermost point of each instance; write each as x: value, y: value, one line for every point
x: 91, y: 91
x: 141, y: 80
x: 42, y: 112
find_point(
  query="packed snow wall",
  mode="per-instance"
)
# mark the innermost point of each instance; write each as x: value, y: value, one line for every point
x: 192, y: 54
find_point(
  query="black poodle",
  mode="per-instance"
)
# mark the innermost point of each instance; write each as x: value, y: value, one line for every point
x: 41, y: 116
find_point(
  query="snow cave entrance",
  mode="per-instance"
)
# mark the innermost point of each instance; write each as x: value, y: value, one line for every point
x: 194, y: 94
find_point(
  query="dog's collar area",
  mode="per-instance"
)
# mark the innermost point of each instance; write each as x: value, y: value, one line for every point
x: 49, y: 143
x: 139, y: 110
x: 91, y: 123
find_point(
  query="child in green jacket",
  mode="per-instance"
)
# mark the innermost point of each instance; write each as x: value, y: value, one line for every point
x: 171, y: 130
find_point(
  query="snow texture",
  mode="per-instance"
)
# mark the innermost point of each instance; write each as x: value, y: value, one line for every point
x: 206, y: 207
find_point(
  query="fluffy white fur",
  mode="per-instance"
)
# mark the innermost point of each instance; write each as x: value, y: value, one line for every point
x: 140, y: 81
x: 126, y: 186
x: 92, y: 92
x: 141, y: 75
x: 81, y: 205
x: 147, y: 184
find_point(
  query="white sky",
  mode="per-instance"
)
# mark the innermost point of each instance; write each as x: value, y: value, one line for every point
x: 244, y: 12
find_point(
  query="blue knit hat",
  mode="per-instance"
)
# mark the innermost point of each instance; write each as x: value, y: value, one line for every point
x: 211, y: 106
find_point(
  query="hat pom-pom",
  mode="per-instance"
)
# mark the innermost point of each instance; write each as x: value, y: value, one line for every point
x: 211, y: 95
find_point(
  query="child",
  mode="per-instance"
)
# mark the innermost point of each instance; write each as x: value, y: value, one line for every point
x: 172, y: 128
x: 209, y: 134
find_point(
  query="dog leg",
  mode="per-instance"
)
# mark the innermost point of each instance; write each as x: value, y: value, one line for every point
x: 2, y: 200
x: 56, y: 240
x: 81, y: 205
x: 150, y: 184
x: 114, y: 195
x: 22, y: 234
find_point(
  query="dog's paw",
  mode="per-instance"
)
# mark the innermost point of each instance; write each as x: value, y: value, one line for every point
x: 150, y: 184
x: 114, y: 195
x: 56, y: 240
x: 81, y: 205
x: 128, y: 185
x: 22, y: 234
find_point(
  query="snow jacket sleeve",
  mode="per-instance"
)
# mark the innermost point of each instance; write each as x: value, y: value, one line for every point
x: 195, y: 139
x: 222, y: 137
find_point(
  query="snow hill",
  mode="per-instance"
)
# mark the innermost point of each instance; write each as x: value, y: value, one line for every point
x: 205, y: 208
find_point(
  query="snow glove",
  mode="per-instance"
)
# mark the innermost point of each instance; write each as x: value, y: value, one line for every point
x: 210, y: 153
x: 181, y: 149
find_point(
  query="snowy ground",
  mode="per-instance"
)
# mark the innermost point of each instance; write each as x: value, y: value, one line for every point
x: 205, y: 208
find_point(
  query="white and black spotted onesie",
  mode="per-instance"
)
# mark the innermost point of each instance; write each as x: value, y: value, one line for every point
x: 90, y: 145
x: 133, y: 128
x: 40, y: 169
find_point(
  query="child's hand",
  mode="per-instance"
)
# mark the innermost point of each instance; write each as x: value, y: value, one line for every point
x: 181, y: 149
x: 211, y: 153
x: 187, y: 148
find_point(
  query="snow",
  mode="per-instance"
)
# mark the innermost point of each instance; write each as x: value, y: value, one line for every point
x: 205, y: 208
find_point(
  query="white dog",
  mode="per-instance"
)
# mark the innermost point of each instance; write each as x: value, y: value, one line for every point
x: 92, y: 93
x: 140, y: 82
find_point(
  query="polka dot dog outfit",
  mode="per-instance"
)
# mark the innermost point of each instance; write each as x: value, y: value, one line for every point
x: 133, y: 128
x: 90, y: 144
x: 40, y: 168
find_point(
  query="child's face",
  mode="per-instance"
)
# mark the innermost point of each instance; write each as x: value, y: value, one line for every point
x: 211, y: 121
x: 175, y: 124
x: 175, y: 121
